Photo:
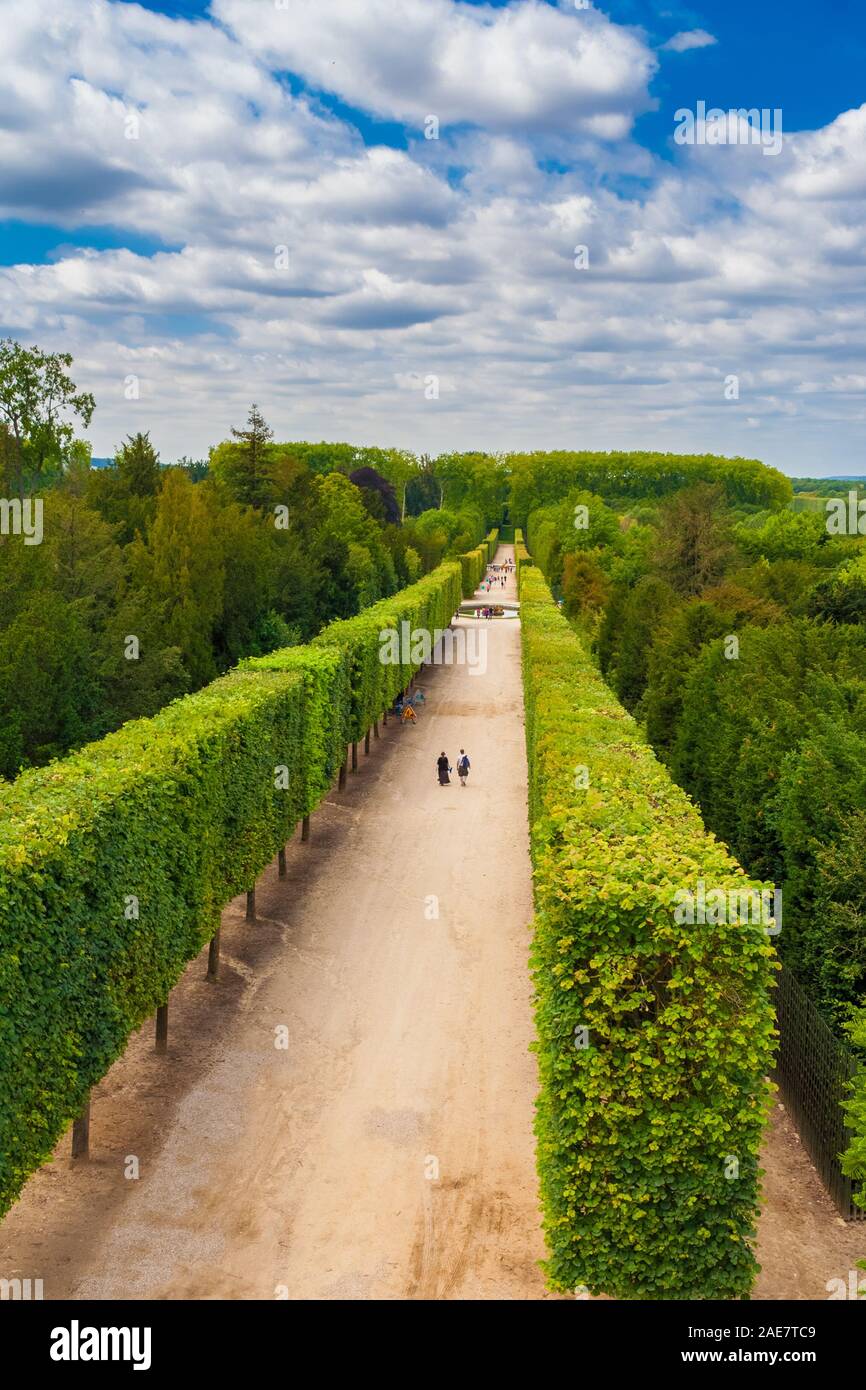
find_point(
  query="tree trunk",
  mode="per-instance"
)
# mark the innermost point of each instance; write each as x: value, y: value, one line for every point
x: 81, y: 1133
x: 162, y: 1027
x: 213, y: 957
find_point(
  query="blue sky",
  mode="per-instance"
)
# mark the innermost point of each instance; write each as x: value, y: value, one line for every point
x: 214, y: 204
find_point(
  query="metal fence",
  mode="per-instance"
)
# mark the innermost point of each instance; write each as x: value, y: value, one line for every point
x: 813, y: 1071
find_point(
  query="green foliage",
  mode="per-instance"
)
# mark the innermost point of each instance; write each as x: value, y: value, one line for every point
x: 245, y: 465
x: 137, y: 465
x: 473, y: 565
x: 773, y: 747
x: 854, y: 1160
x: 538, y: 479
x: 203, y: 571
x: 635, y: 1131
x: 828, y: 487
x: 521, y: 554
x: 842, y: 596
x: 472, y: 480
x: 580, y: 523
x: 677, y: 639
x: 439, y: 532
x: 325, y: 710
x: 786, y: 583
x: 623, y: 638
x: 787, y: 535
x: 693, y: 547
x: 368, y: 642
x: 819, y: 813
x: 38, y: 401
x: 179, y: 813
x: 584, y: 586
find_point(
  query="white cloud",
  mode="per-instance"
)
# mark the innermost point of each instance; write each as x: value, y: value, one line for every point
x: 524, y: 67
x: 398, y: 269
x: 689, y: 39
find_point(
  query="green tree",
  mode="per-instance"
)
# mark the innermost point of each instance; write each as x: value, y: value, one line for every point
x: 244, y: 467
x: 422, y: 490
x: 125, y: 494
x: 842, y: 596
x: 138, y: 466
x: 584, y: 585
x: 694, y: 544
x: 177, y: 578
x: 248, y: 553
x: 50, y: 696
x: 628, y: 655
x: 676, y: 643
x: 37, y: 397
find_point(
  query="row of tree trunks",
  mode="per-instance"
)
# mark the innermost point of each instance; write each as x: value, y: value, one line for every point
x: 81, y: 1126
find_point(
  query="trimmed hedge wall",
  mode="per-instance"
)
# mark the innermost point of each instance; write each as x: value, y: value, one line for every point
x: 325, y: 714
x: 474, y: 563
x: 168, y: 818
x: 521, y: 554
x: 179, y: 812
x: 640, y: 1131
x: 425, y: 606
x: 473, y: 566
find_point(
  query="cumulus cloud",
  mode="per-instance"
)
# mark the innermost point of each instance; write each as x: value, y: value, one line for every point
x: 329, y: 279
x: 688, y: 39
x: 524, y: 67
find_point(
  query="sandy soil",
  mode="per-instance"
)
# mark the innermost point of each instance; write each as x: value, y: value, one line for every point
x: 803, y: 1243
x: 387, y: 1151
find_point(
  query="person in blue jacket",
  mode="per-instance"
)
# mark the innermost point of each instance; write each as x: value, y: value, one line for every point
x: 463, y: 767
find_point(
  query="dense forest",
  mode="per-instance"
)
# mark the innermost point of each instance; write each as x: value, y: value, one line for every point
x: 732, y: 625
x: 153, y: 578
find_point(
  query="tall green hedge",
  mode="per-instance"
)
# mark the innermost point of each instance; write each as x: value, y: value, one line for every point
x: 424, y: 607
x: 116, y: 862
x: 641, y: 1131
x: 168, y: 818
x: 325, y: 712
x: 521, y: 554
x: 473, y: 566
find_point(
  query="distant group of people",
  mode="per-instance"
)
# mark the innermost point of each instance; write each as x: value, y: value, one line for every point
x: 445, y: 769
x: 404, y: 706
x: 497, y: 575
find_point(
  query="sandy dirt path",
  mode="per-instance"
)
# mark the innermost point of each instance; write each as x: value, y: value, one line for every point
x: 386, y: 1152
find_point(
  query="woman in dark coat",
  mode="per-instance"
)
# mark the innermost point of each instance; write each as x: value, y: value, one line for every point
x: 444, y: 769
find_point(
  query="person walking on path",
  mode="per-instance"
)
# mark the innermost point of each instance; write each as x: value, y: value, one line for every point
x: 463, y: 767
x: 443, y: 769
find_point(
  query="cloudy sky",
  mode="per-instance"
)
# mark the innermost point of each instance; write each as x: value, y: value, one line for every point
x: 338, y: 207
